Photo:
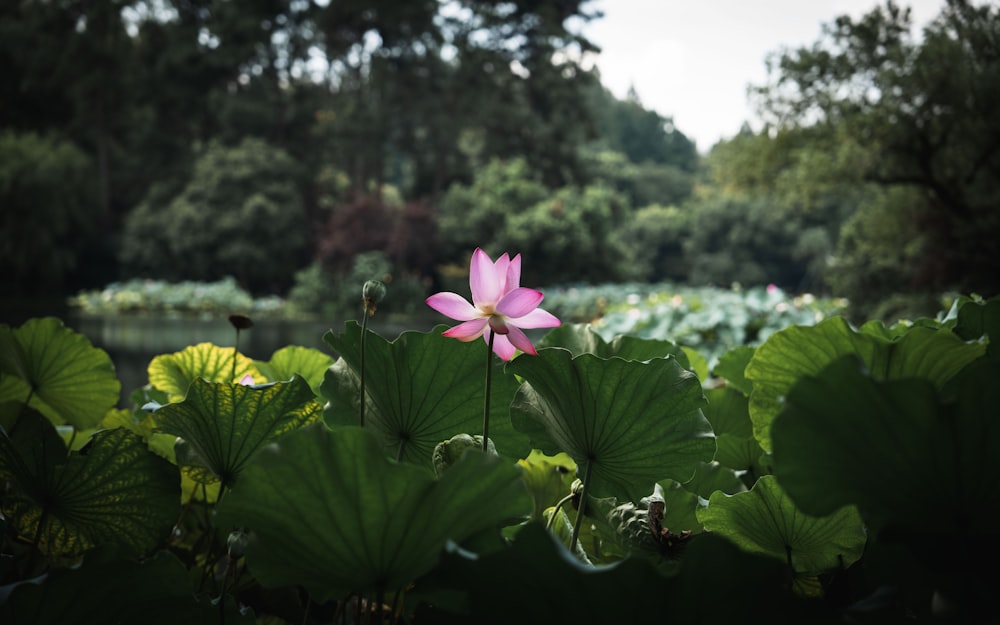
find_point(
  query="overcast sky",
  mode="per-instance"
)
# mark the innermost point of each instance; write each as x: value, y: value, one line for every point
x: 693, y: 59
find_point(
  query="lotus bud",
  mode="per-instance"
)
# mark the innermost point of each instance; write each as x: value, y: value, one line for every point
x: 372, y: 293
x: 447, y: 453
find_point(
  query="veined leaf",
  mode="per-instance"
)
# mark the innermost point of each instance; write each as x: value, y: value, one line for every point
x: 635, y: 423
x: 58, y: 371
x: 331, y: 513
x: 422, y: 388
x: 223, y: 425
x: 174, y: 373
x: 113, y: 491
x: 294, y: 360
x: 765, y: 521
x: 934, y: 355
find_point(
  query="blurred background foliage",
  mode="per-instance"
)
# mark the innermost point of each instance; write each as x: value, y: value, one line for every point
x: 296, y: 146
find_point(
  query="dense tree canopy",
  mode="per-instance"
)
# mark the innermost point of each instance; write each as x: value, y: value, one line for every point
x: 914, y: 113
x: 419, y: 130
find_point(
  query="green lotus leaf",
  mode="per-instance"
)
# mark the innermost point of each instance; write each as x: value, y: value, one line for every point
x: 295, y: 360
x: 797, y: 351
x: 422, y: 388
x: 712, y: 477
x: 548, y: 479
x: 174, y: 373
x: 728, y: 412
x: 978, y: 319
x: 113, y: 491
x: 223, y: 425
x: 764, y: 520
x: 581, y: 338
x: 330, y: 512
x: 732, y: 366
x: 58, y: 371
x: 894, y: 448
x: 106, y: 589
x: 635, y: 423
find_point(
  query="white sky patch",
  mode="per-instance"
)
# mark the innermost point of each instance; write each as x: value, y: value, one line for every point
x: 693, y: 61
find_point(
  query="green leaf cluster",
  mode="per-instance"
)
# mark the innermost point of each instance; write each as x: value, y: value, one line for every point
x: 796, y: 478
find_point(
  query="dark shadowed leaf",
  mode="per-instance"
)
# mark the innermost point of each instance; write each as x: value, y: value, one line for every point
x: 537, y: 580
x: 105, y: 589
x: 330, y: 512
x: 894, y: 449
x: 934, y: 355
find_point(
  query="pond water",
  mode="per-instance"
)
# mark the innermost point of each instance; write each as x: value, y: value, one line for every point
x: 133, y: 341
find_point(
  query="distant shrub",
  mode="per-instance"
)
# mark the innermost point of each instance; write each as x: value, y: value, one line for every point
x: 240, y: 214
x: 157, y: 297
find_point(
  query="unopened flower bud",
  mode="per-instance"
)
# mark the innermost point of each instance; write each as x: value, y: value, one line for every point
x: 372, y: 293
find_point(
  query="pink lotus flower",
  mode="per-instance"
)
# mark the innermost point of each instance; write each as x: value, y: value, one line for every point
x: 500, y: 307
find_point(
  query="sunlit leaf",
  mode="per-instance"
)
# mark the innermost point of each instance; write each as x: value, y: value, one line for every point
x: 765, y: 521
x: 308, y: 363
x: 223, y: 425
x: 174, y: 373
x: 331, y: 513
x: 934, y: 355
x: 422, y: 388
x: 548, y: 479
x: 113, y: 491
x: 635, y: 423
x: 66, y: 378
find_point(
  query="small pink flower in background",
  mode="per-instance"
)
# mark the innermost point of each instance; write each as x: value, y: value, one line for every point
x: 246, y: 380
x: 500, y: 306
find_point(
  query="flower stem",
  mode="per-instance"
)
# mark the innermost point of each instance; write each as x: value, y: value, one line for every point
x: 489, y: 385
x: 581, y: 508
x: 236, y: 351
x: 364, y: 328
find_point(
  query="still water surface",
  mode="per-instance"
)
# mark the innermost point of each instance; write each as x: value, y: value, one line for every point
x: 133, y: 341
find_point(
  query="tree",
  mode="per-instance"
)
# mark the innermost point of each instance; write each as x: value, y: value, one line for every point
x: 919, y: 115
x: 240, y: 215
x: 49, y: 211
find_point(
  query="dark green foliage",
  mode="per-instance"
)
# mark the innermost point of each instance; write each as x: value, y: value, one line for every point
x: 920, y: 116
x: 555, y: 234
x: 875, y: 502
x: 652, y: 244
x: 50, y: 211
x: 240, y: 214
x: 753, y: 241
